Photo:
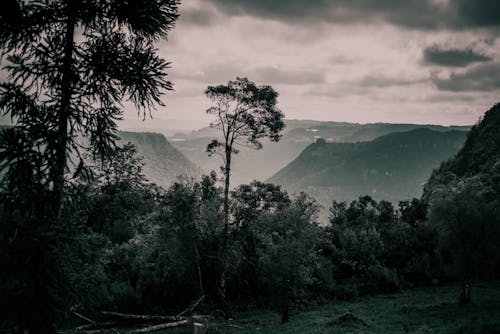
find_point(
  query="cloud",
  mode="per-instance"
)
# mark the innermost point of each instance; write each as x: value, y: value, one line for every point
x: 477, y: 13
x: 273, y: 75
x: 341, y: 11
x: 482, y: 78
x: 372, y: 81
x: 215, y: 73
x: 201, y: 16
x: 434, y: 55
x: 419, y: 14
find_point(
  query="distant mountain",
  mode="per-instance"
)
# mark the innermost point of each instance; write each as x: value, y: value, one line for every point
x: 163, y: 163
x: 168, y: 127
x: 478, y: 161
x: 354, y: 132
x: 393, y: 167
x: 250, y: 164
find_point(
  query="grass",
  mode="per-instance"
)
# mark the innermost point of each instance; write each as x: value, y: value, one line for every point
x: 418, y: 311
x: 430, y: 310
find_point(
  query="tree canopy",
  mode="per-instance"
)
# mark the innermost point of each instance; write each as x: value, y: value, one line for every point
x: 71, y: 65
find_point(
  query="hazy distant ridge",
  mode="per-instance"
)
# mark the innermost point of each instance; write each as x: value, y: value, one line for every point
x: 298, y: 134
x: 163, y: 163
x: 392, y: 167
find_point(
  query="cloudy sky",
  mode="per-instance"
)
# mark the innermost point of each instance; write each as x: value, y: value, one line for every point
x: 421, y: 61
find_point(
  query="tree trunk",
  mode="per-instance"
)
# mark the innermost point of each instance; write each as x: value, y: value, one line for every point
x: 285, y: 312
x: 225, y: 236
x: 465, y: 295
x: 59, y: 166
x: 198, y: 267
x: 43, y: 302
x: 227, y: 172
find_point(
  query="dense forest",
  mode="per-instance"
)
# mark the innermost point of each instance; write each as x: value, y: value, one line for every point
x: 84, y: 235
x: 124, y: 244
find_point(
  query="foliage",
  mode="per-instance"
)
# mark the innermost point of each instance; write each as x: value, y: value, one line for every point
x: 245, y: 113
x: 70, y: 64
x: 277, y: 237
x: 468, y: 222
x: 464, y: 202
x: 61, y: 86
x: 376, y: 248
x: 288, y: 252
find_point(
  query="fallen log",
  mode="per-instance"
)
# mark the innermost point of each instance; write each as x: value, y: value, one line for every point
x: 160, y: 326
x: 100, y: 326
x: 141, y: 317
x: 84, y: 318
x: 191, y: 308
x: 147, y: 317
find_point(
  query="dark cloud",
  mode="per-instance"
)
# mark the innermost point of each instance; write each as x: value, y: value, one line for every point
x: 205, y: 16
x: 420, y: 14
x: 395, y: 11
x: 272, y: 75
x: 447, y: 97
x: 383, y: 82
x: 480, y: 13
x: 435, y: 55
x: 482, y: 78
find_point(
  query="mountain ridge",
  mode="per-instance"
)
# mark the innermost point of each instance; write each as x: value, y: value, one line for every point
x: 248, y: 165
x: 392, y: 167
x: 163, y: 163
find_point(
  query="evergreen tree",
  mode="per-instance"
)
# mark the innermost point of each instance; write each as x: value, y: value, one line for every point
x: 71, y: 64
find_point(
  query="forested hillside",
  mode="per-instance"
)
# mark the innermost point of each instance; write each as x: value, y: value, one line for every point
x: 392, y: 167
x: 464, y: 198
x: 252, y: 221
x: 477, y: 161
x: 298, y: 134
x: 163, y: 163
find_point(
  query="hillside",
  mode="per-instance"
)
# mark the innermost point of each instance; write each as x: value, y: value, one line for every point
x: 250, y: 164
x: 163, y: 163
x: 477, y: 161
x: 392, y: 167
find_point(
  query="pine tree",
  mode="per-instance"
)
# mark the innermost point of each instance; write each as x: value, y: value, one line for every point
x: 71, y: 64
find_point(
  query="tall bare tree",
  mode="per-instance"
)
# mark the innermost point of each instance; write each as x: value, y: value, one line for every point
x: 245, y: 113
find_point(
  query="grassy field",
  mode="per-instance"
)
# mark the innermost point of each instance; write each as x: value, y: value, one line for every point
x: 418, y: 311
x: 431, y: 310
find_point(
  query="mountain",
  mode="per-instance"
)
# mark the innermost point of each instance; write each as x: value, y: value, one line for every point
x: 478, y: 161
x: 168, y: 127
x: 163, y: 163
x: 392, y: 167
x: 250, y: 164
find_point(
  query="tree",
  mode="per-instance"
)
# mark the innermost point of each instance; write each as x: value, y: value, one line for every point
x: 71, y: 64
x: 287, y: 254
x: 467, y: 219
x: 245, y: 113
x: 250, y: 203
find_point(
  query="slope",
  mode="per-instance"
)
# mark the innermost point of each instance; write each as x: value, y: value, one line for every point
x: 249, y: 164
x: 163, y: 163
x: 392, y: 167
x: 477, y: 161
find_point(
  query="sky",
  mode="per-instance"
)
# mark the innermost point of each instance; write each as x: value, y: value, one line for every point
x: 413, y: 61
